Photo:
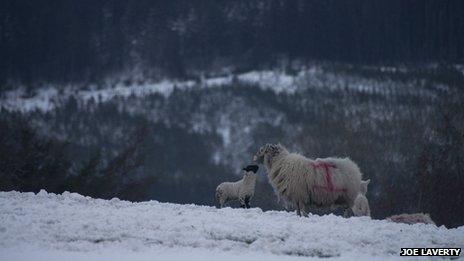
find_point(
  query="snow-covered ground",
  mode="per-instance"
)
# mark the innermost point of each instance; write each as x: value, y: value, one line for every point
x: 46, y: 226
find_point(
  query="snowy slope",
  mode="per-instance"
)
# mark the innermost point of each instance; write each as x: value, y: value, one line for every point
x: 48, y: 98
x: 73, y: 227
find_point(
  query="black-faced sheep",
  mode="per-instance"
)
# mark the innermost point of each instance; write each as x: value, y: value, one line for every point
x: 301, y: 181
x: 243, y: 190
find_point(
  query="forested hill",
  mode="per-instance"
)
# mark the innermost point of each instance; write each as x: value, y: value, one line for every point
x: 175, y: 141
x: 80, y: 41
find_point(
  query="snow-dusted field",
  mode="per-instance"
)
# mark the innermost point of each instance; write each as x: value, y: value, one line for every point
x: 46, y: 226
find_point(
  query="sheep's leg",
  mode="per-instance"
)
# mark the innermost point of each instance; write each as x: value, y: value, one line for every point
x: 303, y: 211
x: 302, y: 208
x: 242, y: 202
x: 297, y: 206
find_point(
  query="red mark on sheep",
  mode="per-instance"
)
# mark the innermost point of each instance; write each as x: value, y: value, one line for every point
x: 327, y: 166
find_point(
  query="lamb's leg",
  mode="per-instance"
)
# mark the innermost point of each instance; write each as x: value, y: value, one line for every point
x: 247, y: 202
x: 222, y: 202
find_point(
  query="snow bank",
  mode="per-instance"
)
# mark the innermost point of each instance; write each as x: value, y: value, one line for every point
x: 53, y: 225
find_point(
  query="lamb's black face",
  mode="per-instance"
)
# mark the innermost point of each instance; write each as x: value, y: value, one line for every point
x: 253, y: 168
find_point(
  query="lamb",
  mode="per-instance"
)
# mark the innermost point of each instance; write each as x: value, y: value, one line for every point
x: 361, y: 204
x: 301, y: 181
x: 412, y: 218
x: 243, y: 190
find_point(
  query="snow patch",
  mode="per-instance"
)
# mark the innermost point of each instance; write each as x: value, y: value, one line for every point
x: 51, y: 225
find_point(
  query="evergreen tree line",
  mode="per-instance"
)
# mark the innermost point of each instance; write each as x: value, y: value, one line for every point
x: 31, y: 162
x: 80, y: 41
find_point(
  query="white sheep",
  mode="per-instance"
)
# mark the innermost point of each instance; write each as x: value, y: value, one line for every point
x: 361, y: 204
x: 412, y: 218
x: 301, y: 181
x: 243, y: 190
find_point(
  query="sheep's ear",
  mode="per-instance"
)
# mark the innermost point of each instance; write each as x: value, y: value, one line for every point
x: 266, y: 147
x: 365, y: 182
